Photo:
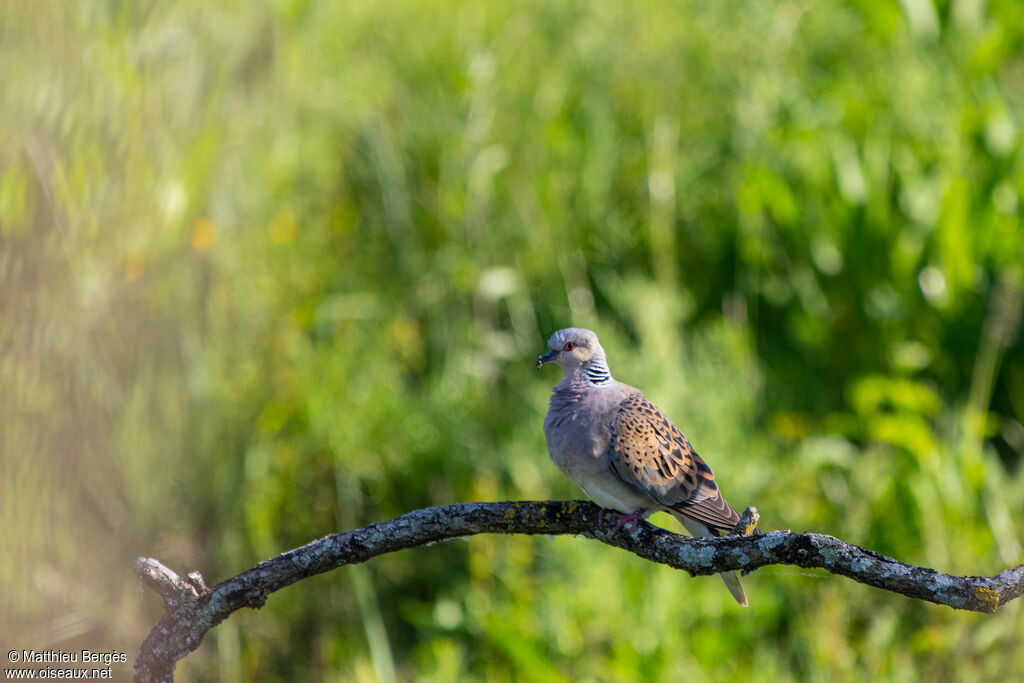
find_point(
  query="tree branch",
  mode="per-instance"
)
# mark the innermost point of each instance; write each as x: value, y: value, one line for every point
x: 192, y: 609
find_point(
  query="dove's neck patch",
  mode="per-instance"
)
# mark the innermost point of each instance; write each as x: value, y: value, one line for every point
x: 597, y: 373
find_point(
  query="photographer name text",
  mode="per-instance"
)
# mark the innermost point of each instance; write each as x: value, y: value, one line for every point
x: 68, y: 657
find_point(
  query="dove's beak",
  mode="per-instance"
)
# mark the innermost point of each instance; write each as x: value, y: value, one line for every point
x: 546, y: 358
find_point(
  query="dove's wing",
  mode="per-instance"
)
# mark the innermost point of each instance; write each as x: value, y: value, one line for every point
x: 653, y: 458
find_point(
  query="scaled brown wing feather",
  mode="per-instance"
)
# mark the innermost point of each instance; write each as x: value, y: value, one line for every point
x: 652, y: 457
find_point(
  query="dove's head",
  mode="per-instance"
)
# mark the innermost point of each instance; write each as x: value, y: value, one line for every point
x: 571, y: 348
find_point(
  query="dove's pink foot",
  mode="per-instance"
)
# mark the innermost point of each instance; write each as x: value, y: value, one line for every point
x: 632, y: 518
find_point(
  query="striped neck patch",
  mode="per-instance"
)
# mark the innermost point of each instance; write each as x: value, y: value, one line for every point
x: 596, y: 373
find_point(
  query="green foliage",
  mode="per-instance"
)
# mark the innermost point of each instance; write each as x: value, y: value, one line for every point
x: 267, y: 273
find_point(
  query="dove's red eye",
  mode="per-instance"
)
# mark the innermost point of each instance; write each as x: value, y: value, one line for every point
x: 569, y: 346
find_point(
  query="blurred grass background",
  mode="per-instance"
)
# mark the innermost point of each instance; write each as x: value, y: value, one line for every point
x: 271, y: 271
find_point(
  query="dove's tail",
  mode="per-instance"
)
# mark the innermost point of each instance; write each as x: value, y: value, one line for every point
x: 731, y: 579
x: 732, y: 582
